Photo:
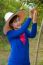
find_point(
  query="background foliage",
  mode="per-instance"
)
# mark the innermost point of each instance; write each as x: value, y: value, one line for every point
x: 14, y: 6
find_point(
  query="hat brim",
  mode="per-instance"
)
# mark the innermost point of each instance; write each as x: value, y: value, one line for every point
x: 20, y: 13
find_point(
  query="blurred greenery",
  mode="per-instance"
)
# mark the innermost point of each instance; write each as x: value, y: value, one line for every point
x: 41, y: 63
x: 14, y: 6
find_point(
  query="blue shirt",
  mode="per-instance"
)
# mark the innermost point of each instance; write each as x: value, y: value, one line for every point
x: 19, y: 53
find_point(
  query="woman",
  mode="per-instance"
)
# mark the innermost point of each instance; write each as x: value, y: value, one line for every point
x: 18, y: 35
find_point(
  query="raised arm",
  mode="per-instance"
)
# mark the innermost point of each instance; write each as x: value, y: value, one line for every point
x: 32, y: 33
x: 15, y: 33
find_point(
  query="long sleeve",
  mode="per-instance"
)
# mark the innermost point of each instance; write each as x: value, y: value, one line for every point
x: 32, y: 33
x: 15, y: 33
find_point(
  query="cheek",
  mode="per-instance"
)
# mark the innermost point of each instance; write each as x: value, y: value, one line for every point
x: 16, y: 24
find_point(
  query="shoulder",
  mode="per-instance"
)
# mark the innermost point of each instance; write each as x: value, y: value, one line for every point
x: 10, y: 32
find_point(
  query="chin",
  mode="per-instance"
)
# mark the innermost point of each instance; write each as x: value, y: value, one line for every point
x: 18, y: 27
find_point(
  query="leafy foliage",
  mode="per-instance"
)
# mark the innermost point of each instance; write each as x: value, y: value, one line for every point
x: 13, y: 6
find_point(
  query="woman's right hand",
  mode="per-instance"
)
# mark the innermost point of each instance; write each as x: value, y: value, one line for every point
x: 34, y: 20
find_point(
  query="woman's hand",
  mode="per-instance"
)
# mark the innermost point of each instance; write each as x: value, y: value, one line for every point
x: 34, y: 20
x: 31, y: 14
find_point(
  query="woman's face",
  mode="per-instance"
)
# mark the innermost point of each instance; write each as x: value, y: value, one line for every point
x: 17, y: 23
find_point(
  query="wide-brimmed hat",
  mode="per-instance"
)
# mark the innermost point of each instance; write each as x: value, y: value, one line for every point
x: 8, y: 16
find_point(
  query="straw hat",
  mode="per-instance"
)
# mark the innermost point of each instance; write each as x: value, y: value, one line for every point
x: 8, y: 16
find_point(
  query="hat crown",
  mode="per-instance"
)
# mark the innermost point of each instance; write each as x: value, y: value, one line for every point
x: 8, y: 15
